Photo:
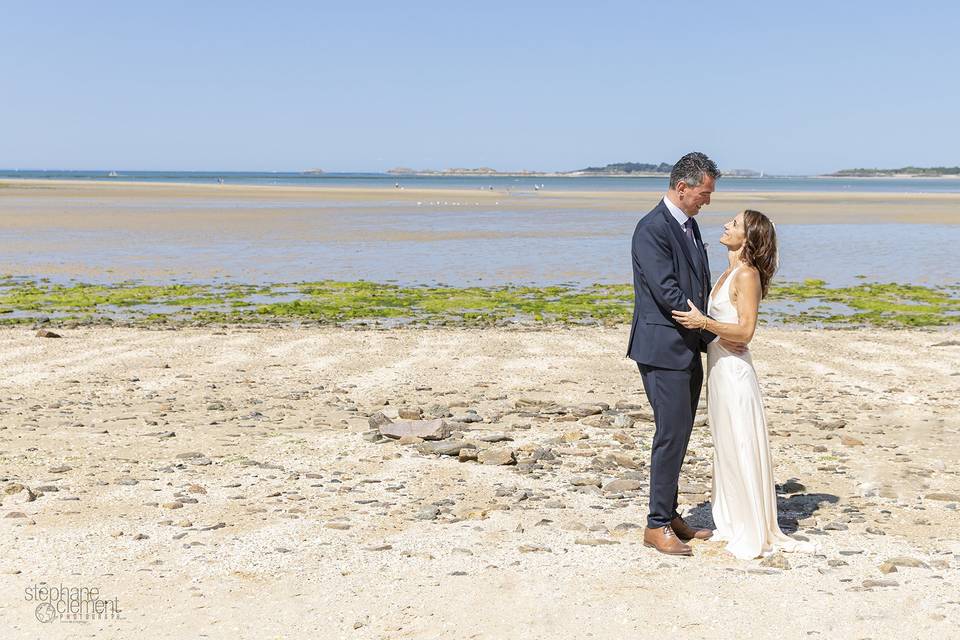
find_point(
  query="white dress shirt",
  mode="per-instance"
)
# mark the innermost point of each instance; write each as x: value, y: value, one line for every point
x: 678, y: 214
x: 681, y: 219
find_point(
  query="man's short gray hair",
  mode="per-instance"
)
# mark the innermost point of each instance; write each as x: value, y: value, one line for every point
x: 692, y: 168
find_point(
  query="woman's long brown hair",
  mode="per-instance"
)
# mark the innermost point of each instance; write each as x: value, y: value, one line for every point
x: 760, y: 247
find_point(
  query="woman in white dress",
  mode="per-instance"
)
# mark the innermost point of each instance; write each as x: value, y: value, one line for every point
x: 744, y: 501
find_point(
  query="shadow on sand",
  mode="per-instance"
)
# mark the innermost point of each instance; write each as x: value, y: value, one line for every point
x: 789, y: 510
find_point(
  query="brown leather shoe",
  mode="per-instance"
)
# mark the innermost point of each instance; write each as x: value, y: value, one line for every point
x: 664, y: 540
x: 686, y: 532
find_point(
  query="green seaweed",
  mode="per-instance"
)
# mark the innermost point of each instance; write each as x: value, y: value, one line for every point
x: 877, y: 304
x: 361, y: 302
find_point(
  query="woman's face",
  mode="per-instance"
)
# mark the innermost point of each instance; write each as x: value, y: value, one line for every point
x: 733, y: 233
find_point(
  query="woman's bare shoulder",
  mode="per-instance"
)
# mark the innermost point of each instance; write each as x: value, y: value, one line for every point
x: 747, y: 277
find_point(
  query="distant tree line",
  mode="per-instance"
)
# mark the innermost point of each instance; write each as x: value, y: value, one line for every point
x: 914, y: 171
x: 631, y: 167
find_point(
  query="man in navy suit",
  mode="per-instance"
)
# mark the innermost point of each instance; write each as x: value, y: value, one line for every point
x: 669, y: 268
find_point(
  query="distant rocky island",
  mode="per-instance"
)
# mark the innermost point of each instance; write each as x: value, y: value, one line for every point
x: 626, y: 169
x: 460, y: 171
x: 636, y: 169
x: 903, y: 172
x: 644, y: 169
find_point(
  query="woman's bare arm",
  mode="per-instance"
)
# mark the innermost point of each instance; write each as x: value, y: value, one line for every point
x: 746, y: 290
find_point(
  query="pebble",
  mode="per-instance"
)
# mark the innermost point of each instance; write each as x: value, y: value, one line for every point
x: 467, y: 454
x: 445, y: 448
x: 869, y: 584
x: 792, y: 486
x: 943, y: 497
x: 428, y: 513
x: 494, y: 437
x: 496, y: 456
x: 467, y: 418
x: 622, y: 484
x: 623, y: 421
x: 584, y: 410
x: 624, y: 460
x: 533, y: 548
x: 585, y: 481
x: 775, y: 561
x: 427, y: 429
x: 18, y: 494
x: 904, y: 561
x: 379, y: 419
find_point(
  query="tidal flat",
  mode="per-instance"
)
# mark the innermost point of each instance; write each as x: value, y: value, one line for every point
x: 204, y: 234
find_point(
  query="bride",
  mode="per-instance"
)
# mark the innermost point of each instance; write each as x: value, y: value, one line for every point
x: 744, y: 498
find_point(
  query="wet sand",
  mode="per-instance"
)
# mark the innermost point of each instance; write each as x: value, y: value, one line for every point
x: 229, y: 483
x: 29, y: 203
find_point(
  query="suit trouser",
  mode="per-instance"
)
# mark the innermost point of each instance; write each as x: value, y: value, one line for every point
x: 674, y: 396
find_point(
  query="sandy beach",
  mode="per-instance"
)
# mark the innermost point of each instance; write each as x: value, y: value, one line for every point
x: 227, y: 483
x: 24, y: 203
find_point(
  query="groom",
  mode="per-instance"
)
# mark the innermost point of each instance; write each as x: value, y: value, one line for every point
x: 670, y: 267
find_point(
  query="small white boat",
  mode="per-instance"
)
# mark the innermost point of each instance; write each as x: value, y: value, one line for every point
x: 112, y: 174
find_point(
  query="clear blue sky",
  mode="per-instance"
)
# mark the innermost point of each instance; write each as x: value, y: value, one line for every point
x: 799, y: 87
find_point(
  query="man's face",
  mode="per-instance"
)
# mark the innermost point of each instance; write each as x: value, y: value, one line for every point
x: 692, y: 198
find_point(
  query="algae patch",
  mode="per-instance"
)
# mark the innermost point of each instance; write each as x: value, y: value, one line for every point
x: 368, y: 303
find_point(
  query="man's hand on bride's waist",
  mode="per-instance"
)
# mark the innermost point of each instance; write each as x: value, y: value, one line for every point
x: 737, y: 348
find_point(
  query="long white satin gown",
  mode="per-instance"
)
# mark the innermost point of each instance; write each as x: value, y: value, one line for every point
x: 744, y: 502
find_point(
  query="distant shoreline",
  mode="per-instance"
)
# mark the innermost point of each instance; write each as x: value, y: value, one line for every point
x: 891, y: 176
x: 909, y: 171
x: 524, y: 174
x: 556, y: 174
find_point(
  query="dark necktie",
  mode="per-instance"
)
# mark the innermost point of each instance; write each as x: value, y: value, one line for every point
x: 688, y: 229
x: 694, y: 249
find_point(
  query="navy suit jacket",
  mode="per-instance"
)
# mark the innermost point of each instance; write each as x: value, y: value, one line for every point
x: 665, y: 274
